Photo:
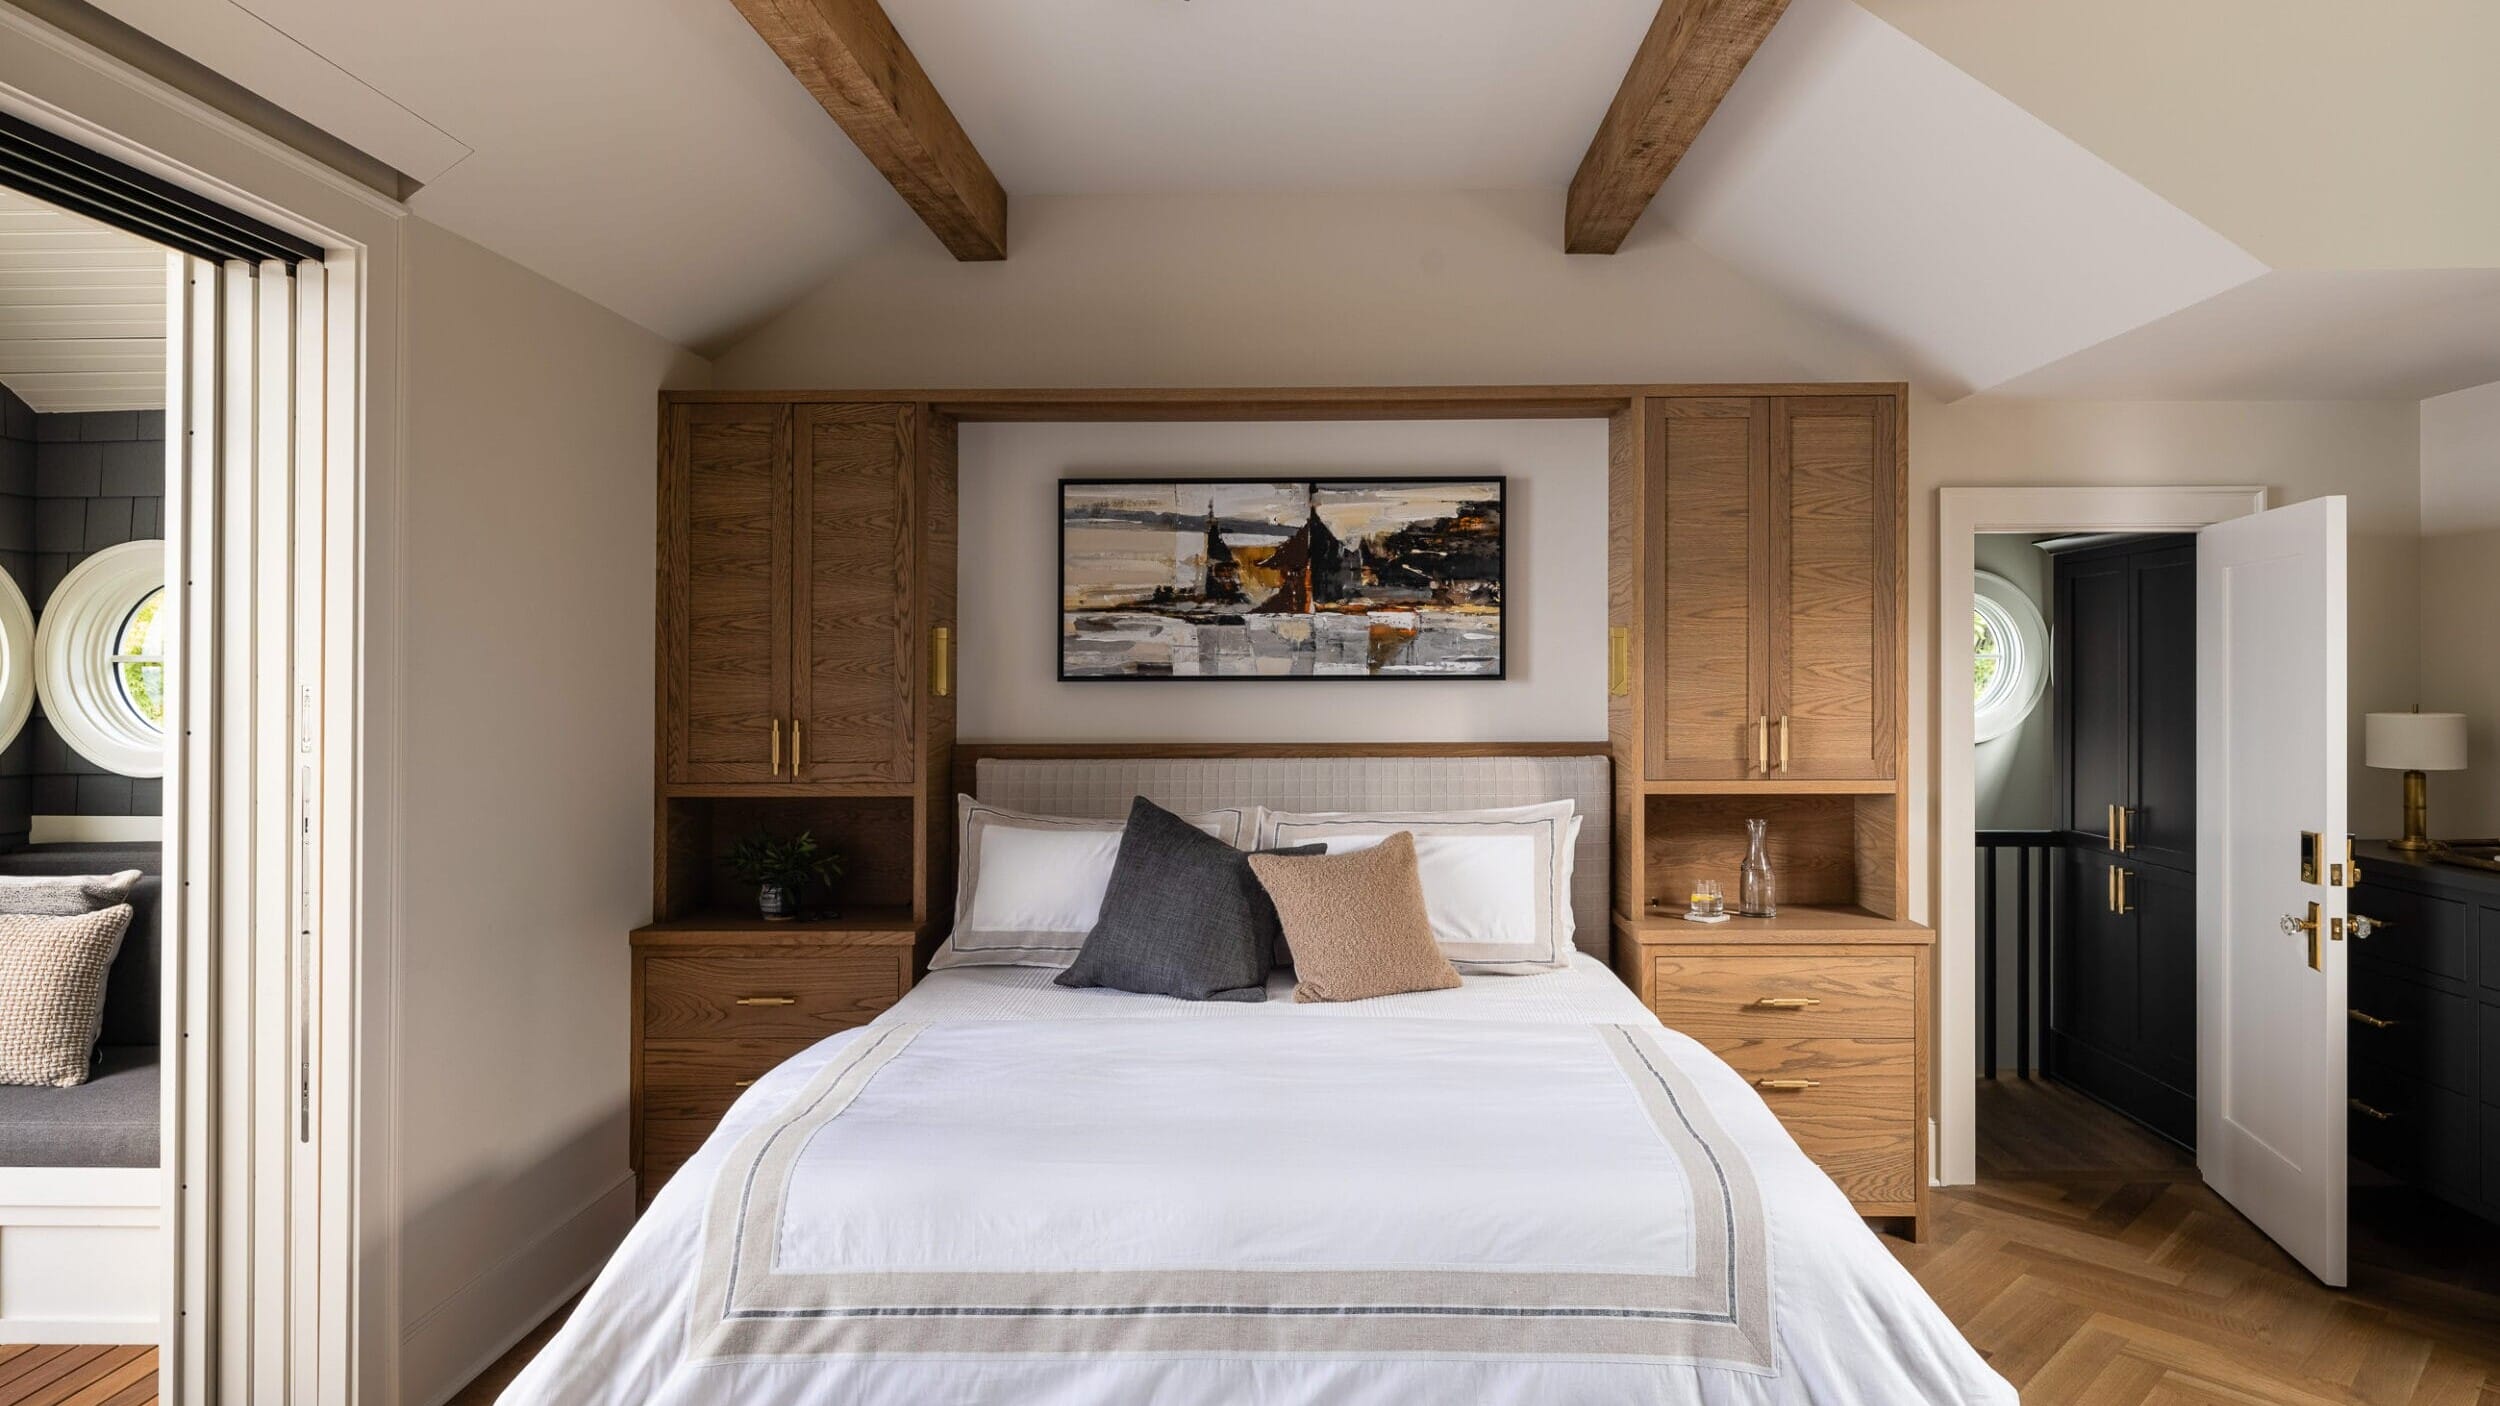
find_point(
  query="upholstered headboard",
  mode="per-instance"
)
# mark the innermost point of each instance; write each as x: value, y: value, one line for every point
x: 1103, y: 786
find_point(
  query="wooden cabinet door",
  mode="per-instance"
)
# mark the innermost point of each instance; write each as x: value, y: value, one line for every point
x: 725, y: 555
x: 1708, y: 644
x: 2093, y: 659
x: 856, y: 681
x: 1834, y: 589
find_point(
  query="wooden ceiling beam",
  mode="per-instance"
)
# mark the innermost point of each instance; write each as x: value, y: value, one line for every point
x: 1686, y: 63
x: 847, y: 53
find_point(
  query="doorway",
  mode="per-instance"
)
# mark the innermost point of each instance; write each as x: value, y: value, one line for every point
x: 2084, y: 700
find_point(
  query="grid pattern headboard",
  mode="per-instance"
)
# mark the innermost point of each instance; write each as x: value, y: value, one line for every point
x: 1102, y: 787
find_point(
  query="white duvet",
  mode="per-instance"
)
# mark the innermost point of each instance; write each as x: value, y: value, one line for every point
x: 1523, y: 1190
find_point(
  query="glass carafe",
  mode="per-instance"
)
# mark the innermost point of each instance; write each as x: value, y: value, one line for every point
x: 1758, y: 895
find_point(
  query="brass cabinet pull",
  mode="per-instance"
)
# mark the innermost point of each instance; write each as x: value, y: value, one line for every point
x: 2110, y: 817
x: 1788, y: 1086
x: 2109, y: 886
x: 1618, y: 662
x: 941, y: 661
x: 1762, y: 742
x: 768, y: 1000
x: 741, y: 1083
x: 2363, y: 1017
x: 1788, y: 1003
x: 2366, y: 1111
x: 776, y: 746
x: 794, y: 747
x: 2124, y: 907
x: 1783, y: 742
x: 2126, y: 818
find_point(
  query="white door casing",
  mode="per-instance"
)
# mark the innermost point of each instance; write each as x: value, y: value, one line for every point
x: 2270, y: 1112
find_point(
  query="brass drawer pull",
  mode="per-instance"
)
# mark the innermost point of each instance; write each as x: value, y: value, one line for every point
x: 768, y: 1000
x: 1788, y: 1086
x: 2367, y: 1111
x: 742, y: 1083
x: 1783, y: 742
x: 2374, y: 1022
x: 776, y: 746
x: 1787, y: 1003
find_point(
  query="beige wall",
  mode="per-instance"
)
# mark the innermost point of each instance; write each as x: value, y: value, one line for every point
x: 1260, y: 290
x: 2295, y: 449
x: 1555, y: 634
x: 524, y: 789
x: 2461, y: 599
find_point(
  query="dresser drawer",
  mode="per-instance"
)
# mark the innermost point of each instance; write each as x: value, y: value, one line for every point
x: 1851, y: 1104
x: 701, y: 1078
x: 2410, y: 1028
x: 803, y: 994
x: 666, y: 1144
x: 1715, y: 997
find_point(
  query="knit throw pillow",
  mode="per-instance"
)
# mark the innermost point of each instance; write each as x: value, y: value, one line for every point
x: 52, y: 992
x: 1355, y: 922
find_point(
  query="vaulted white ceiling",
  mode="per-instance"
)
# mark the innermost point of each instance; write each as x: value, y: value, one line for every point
x: 1963, y: 187
x: 82, y: 311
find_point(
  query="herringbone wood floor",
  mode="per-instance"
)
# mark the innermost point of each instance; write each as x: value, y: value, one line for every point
x: 2091, y: 1266
x: 77, y: 1376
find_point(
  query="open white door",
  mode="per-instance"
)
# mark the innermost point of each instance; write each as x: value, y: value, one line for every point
x: 2270, y: 1118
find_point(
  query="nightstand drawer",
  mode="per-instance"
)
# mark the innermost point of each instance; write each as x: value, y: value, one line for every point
x: 1714, y: 997
x: 801, y: 994
x: 1851, y: 1104
x: 701, y: 1078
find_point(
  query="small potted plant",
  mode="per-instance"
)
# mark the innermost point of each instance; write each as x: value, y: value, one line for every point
x: 781, y: 868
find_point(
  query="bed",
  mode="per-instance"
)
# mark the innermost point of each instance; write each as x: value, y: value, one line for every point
x: 1524, y: 1189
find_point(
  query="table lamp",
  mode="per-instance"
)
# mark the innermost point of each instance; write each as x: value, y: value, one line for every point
x: 2414, y: 743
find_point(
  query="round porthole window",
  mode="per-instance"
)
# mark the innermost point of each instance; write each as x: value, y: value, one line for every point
x: 2009, y: 656
x: 100, y: 659
x: 17, y: 660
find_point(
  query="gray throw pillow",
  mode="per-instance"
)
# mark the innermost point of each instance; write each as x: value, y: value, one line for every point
x: 1183, y: 916
x: 52, y: 992
x: 65, y: 895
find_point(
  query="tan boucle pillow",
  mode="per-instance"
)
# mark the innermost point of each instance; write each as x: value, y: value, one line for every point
x: 52, y: 992
x: 1355, y: 922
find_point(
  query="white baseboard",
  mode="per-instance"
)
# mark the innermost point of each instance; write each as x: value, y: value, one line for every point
x: 82, y: 1255
x: 446, y: 1348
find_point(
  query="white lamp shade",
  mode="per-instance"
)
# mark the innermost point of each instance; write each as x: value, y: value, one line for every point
x: 2414, y: 741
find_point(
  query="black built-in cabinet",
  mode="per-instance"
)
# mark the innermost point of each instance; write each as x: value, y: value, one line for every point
x: 2425, y: 1027
x: 2122, y: 1009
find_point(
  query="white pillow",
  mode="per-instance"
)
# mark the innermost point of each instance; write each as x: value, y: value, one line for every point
x: 1497, y: 883
x: 1028, y: 888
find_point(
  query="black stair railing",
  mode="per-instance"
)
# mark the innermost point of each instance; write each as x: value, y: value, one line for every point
x: 2020, y: 865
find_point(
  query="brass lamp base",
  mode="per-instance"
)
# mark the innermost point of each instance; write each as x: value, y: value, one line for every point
x: 2417, y: 816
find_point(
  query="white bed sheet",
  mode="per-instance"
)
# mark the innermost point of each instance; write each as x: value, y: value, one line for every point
x: 1846, y: 1323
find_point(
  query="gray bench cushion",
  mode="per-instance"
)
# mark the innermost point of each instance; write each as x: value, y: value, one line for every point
x: 109, y: 1121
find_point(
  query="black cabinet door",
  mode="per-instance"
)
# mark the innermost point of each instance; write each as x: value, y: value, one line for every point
x: 2094, y: 971
x: 2094, y: 658
x: 2164, y: 905
x: 2162, y: 762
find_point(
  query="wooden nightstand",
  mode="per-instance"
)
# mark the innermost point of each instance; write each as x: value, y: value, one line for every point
x: 719, y: 1002
x: 1826, y: 1011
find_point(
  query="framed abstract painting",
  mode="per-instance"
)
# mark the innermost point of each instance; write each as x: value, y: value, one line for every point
x: 1280, y: 578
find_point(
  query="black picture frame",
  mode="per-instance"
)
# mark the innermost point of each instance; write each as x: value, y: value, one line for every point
x: 1499, y: 483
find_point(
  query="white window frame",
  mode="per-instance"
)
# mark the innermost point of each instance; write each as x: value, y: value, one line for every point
x: 2022, y: 675
x: 17, y: 660
x: 76, y: 644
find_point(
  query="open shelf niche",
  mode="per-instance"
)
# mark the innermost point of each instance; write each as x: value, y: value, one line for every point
x: 875, y: 835
x: 1834, y: 857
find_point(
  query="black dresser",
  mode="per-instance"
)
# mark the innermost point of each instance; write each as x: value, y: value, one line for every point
x: 2425, y: 1027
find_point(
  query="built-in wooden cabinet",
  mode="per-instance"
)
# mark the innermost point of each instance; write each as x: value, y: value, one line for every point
x: 1773, y: 576
x: 1756, y: 586
x: 806, y: 559
x: 791, y: 593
